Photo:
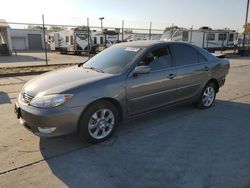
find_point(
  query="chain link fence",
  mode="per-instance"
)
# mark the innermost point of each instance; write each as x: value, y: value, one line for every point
x: 90, y: 36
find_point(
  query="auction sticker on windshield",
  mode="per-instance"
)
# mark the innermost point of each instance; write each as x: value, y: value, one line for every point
x: 131, y: 49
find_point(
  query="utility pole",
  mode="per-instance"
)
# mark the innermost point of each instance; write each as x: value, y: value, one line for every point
x: 246, y: 21
x: 150, y: 30
x: 101, y: 18
x: 172, y: 31
x: 45, y: 45
x: 122, y: 30
x: 88, y: 39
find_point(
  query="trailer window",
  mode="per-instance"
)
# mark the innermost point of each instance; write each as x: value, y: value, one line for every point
x: 71, y: 39
x: 185, y: 36
x: 95, y: 41
x: 67, y: 39
x: 231, y: 37
x: 101, y: 40
x: 210, y: 36
x: 222, y: 36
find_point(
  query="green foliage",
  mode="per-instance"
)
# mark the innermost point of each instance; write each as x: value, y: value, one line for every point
x: 56, y: 28
x: 247, y: 28
x: 35, y: 27
x: 172, y: 28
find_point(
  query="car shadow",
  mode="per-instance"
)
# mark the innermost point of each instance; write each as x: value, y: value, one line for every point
x: 165, y: 148
x: 20, y: 58
x: 4, y: 98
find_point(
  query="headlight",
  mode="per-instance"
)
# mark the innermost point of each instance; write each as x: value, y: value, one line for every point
x: 50, y: 101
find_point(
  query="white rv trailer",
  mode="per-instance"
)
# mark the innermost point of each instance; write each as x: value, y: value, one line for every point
x: 71, y: 40
x: 204, y: 37
x: 145, y: 36
x: 106, y: 37
x: 53, y: 41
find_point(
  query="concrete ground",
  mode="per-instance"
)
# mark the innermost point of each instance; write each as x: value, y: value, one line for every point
x: 182, y: 147
x: 38, y: 58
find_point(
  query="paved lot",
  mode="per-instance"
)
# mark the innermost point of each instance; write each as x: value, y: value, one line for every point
x: 182, y: 147
x: 38, y: 58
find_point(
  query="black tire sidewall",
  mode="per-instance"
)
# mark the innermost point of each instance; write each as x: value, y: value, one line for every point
x: 83, y: 124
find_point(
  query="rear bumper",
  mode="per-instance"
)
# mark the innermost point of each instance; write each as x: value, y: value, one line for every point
x: 221, y: 82
x: 64, y: 120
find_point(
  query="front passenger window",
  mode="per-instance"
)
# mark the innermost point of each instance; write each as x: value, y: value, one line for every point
x: 158, y: 59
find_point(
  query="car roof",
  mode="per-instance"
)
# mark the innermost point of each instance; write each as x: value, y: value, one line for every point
x: 155, y: 43
x: 147, y: 43
x: 140, y: 43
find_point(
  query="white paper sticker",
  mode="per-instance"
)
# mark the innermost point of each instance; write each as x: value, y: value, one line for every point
x: 131, y: 49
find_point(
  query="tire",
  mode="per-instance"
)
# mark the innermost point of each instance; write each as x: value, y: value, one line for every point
x: 98, y: 122
x: 207, y: 97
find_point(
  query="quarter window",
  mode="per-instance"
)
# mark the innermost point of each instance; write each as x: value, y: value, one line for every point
x: 184, y: 54
x: 158, y: 59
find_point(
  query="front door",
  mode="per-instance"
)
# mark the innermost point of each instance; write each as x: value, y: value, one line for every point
x: 155, y: 89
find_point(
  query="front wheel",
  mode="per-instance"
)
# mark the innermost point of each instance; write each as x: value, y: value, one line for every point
x: 207, y: 97
x: 98, y: 122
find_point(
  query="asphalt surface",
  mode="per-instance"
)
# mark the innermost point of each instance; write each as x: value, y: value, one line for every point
x: 180, y: 147
x: 23, y: 59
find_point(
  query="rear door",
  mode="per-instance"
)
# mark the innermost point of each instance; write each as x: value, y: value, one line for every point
x: 155, y: 89
x: 192, y: 71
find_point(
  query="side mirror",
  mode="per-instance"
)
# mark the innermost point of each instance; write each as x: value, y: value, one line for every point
x: 141, y: 70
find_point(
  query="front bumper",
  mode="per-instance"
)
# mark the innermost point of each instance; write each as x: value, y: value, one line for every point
x: 65, y: 120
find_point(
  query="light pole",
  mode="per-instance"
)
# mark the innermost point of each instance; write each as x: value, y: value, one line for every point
x: 244, y: 36
x: 101, y: 18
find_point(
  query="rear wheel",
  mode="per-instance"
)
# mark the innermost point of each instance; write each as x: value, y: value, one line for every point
x: 207, y: 97
x: 98, y: 122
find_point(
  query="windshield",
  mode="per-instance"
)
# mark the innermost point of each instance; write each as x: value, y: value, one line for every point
x: 111, y: 60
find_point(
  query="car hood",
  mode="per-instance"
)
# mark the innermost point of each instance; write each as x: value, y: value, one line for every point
x: 62, y: 80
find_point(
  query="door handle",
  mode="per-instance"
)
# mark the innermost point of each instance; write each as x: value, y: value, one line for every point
x: 206, y: 68
x: 171, y: 76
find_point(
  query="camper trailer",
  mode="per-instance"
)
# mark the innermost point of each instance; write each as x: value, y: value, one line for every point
x: 53, y: 41
x: 145, y: 36
x: 71, y: 41
x: 204, y: 37
x: 105, y: 38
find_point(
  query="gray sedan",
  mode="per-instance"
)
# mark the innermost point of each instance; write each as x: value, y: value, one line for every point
x: 121, y: 82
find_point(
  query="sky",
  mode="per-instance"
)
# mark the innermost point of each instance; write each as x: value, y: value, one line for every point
x: 217, y: 14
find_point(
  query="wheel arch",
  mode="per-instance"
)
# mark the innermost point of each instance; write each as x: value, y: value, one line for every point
x: 215, y: 82
x: 108, y: 99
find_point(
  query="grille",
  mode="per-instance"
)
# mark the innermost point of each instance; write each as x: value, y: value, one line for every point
x: 27, y: 98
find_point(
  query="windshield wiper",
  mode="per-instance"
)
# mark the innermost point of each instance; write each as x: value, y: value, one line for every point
x: 95, y: 69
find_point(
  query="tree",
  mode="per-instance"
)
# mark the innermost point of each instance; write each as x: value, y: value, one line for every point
x: 56, y: 28
x: 35, y: 27
x: 226, y: 28
x: 172, y: 28
x: 247, y: 28
x: 83, y: 27
x: 128, y: 31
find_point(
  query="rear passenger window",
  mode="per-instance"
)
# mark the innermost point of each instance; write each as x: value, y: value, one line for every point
x: 158, y: 59
x: 185, y: 55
